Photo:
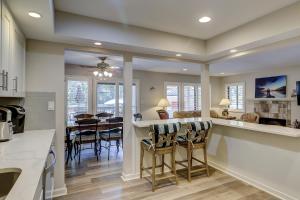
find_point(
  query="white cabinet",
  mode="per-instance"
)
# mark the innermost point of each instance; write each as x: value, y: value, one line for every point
x: 17, y: 70
x: 12, y: 69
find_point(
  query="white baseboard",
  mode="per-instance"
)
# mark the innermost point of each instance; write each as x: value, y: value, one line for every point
x: 252, y: 182
x: 129, y: 177
x: 60, y: 191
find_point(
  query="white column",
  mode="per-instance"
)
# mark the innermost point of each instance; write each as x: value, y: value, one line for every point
x: 205, y: 91
x: 129, y: 147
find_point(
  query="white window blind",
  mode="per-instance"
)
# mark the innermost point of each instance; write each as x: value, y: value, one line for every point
x: 172, y: 94
x: 134, y: 99
x: 199, y: 98
x: 236, y: 94
x: 77, y: 98
x: 106, y: 98
x: 190, y: 98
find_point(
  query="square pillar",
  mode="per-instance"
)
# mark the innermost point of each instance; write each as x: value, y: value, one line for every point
x: 205, y: 91
x: 129, y: 147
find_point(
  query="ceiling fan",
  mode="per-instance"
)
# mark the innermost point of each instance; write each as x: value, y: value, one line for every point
x: 103, y: 68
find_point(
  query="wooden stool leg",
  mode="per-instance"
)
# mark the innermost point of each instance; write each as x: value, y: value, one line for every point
x: 174, y: 165
x: 141, y: 161
x: 205, y: 160
x: 153, y: 171
x: 162, y: 163
x: 189, y: 159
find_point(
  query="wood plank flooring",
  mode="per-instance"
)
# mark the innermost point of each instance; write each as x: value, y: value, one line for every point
x: 92, y: 180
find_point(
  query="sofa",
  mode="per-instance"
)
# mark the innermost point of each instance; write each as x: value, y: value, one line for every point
x: 192, y: 114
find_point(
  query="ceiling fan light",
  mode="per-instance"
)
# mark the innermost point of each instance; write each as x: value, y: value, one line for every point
x: 95, y: 73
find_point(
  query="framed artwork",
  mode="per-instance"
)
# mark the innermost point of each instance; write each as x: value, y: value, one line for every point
x: 271, y: 87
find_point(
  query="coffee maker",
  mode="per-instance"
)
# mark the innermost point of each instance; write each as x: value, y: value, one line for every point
x: 6, y: 130
x: 17, y: 117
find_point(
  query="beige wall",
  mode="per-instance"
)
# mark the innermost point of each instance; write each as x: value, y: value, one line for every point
x: 249, y: 79
x: 45, y: 73
x: 149, y: 98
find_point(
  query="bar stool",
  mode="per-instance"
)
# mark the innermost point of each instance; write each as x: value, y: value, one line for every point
x: 163, y: 141
x: 196, y: 138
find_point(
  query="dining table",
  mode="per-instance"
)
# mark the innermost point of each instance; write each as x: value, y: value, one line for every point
x: 72, y: 129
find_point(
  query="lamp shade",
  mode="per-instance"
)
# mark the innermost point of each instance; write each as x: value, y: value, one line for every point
x: 163, y: 103
x: 225, y: 102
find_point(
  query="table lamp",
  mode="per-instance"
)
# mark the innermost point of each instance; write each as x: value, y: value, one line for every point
x: 163, y: 103
x: 225, y: 103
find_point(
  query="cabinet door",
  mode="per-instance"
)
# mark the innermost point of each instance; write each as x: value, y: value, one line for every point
x: 18, y: 68
x: 7, y: 24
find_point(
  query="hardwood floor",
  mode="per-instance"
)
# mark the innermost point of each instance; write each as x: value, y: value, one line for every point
x: 92, y: 180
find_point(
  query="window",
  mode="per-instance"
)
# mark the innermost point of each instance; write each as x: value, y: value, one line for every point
x: 134, y: 98
x: 106, y: 98
x: 183, y: 96
x: 77, y: 98
x: 235, y: 92
x: 172, y: 94
x: 110, y: 97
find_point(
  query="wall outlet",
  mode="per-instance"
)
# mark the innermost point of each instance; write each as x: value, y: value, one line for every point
x: 51, y: 105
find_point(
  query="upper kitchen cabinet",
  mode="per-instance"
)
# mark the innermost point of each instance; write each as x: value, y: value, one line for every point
x: 12, y: 69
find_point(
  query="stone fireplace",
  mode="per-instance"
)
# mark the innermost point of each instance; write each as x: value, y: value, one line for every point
x: 273, y: 112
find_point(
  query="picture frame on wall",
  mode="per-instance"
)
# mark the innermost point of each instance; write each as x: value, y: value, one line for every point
x: 271, y: 87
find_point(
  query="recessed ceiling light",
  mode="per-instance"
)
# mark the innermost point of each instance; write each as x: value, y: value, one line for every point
x: 204, y: 19
x: 115, y: 67
x: 233, y: 51
x: 97, y: 43
x: 222, y: 73
x: 34, y: 14
x: 184, y: 69
x: 178, y: 55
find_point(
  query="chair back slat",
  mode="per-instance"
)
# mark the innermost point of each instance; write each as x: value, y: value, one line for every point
x: 164, y: 135
x: 115, y: 120
x: 104, y: 115
x: 83, y: 116
x: 87, y: 124
x: 198, y: 131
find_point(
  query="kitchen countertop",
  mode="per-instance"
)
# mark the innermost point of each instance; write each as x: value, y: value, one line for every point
x: 271, y: 129
x: 27, y: 151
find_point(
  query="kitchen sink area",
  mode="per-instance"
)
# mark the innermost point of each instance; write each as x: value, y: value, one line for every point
x: 8, y: 176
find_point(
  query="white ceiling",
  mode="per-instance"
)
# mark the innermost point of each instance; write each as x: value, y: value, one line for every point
x: 91, y: 59
x: 288, y: 56
x: 176, y: 16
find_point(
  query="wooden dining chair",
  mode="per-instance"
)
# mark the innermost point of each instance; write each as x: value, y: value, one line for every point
x: 195, y: 138
x: 163, y: 114
x: 87, y: 134
x: 162, y: 142
x: 112, y: 134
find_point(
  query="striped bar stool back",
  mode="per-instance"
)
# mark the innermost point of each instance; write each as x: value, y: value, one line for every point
x: 198, y: 131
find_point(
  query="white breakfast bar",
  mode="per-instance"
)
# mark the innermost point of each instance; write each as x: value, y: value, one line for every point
x: 265, y: 156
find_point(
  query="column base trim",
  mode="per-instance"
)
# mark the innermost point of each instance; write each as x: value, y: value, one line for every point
x: 60, y: 191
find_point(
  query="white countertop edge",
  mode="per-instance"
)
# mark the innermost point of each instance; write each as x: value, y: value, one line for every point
x: 29, y: 158
x: 271, y: 129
